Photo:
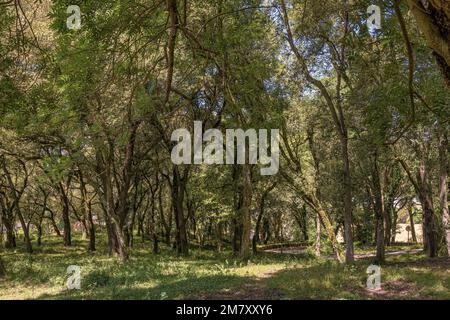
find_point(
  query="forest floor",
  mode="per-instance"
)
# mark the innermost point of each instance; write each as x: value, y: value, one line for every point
x: 211, y: 275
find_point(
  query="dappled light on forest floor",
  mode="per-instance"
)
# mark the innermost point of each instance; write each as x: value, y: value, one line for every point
x: 210, y: 275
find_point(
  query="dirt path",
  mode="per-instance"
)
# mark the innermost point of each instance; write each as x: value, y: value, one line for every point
x: 291, y: 250
x: 253, y: 290
x: 388, y: 253
x: 302, y: 250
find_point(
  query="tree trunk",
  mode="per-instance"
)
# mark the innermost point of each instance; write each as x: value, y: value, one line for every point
x: 91, y: 228
x: 54, y: 225
x: 430, y: 235
x: 7, y: 219
x: 256, y: 239
x: 411, y: 221
x: 443, y: 192
x: 219, y: 236
x: 394, y: 226
x: 162, y: 218
x: 237, y: 205
x: 65, y: 215
x: 26, y: 231
x: 388, y: 213
x: 423, y: 189
x: 153, y: 227
x: 348, y: 207
x: 318, y: 235
x: 329, y: 229
x: 244, y: 252
x: 16, y: 195
x: 378, y: 206
x: 10, y: 236
x: 39, y: 234
x: 2, y: 268
x: 433, y: 19
x: 178, y: 191
x: 266, y: 229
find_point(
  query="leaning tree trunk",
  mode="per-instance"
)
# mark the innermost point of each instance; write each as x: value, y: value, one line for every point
x: 54, y: 225
x: 255, y: 238
x: 16, y: 198
x: 318, y: 236
x: 433, y: 19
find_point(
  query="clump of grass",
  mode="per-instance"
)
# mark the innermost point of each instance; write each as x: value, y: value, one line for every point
x: 97, y: 279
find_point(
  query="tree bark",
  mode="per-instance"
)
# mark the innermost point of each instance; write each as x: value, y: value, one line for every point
x: 65, y: 215
x: 318, y: 235
x: 443, y: 192
x: 423, y: 189
x: 428, y: 210
x: 411, y: 221
x: 2, y: 268
x: 336, y: 112
x: 348, y: 206
x: 10, y: 236
x: 433, y: 19
x: 378, y: 206
x: 86, y: 208
x: 244, y: 252
x: 16, y: 195
x: 91, y: 226
x: 255, y: 238
x: 178, y: 191
x: 7, y: 218
x: 54, y: 225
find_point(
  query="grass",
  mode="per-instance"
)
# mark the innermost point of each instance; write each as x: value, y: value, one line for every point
x: 210, y: 275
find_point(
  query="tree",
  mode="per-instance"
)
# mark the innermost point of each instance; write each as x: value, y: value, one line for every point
x: 335, y: 109
x: 433, y: 19
x: 2, y: 268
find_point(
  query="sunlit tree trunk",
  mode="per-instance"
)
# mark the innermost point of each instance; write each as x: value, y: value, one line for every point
x: 411, y: 221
